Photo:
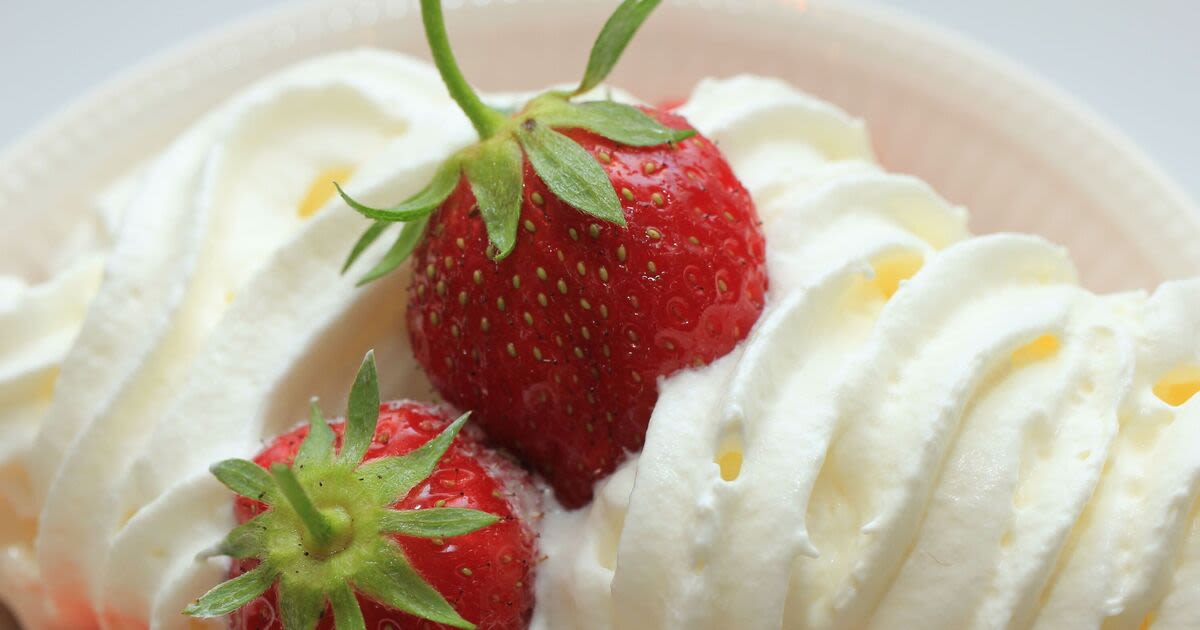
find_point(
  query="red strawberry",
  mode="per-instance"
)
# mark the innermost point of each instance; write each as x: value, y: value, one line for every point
x: 558, y: 347
x: 454, y: 544
x: 575, y: 255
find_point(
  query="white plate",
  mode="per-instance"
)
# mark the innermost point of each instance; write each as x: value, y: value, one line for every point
x: 1018, y: 152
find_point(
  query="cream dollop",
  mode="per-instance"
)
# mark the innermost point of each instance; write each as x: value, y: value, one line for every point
x: 222, y: 310
x: 925, y: 430
x: 38, y: 324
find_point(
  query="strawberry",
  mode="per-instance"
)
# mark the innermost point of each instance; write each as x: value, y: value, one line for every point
x: 411, y: 522
x: 566, y: 262
x: 558, y: 347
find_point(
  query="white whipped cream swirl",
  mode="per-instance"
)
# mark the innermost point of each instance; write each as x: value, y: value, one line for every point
x: 221, y: 311
x: 925, y: 430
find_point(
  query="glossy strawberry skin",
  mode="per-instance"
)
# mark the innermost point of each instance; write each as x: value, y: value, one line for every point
x: 558, y: 348
x: 500, y: 559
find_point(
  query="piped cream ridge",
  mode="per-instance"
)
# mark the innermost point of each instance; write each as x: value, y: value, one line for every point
x: 925, y: 429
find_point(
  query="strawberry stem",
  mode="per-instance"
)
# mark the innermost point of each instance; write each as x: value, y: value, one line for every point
x: 486, y: 120
x: 319, y: 528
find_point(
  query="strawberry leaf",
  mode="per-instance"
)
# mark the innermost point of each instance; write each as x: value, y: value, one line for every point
x: 318, y: 446
x: 391, y: 580
x: 362, y: 413
x: 420, y: 204
x: 248, y: 540
x: 370, y: 236
x: 496, y: 179
x: 614, y: 37
x: 570, y: 172
x: 347, y: 614
x: 618, y: 122
x: 435, y: 522
x: 393, y: 477
x: 300, y: 604
x: 233, y: 594
x: 405, y: 243
x: 245, y: 478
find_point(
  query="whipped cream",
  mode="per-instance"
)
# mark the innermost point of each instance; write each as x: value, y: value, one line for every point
x: 924, y: 430
x: 222, y: 310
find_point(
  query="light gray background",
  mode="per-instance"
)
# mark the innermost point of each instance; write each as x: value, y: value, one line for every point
x: 1136, y: 63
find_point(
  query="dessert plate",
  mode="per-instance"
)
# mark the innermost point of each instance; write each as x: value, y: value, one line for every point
x: 1016, y: 151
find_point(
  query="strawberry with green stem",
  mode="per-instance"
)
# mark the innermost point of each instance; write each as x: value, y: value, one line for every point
x: 353, y: 518
x: 576, y: 254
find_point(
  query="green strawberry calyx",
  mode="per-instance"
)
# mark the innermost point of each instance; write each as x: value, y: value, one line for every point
x: 328, y: 531
x: 494, y: 167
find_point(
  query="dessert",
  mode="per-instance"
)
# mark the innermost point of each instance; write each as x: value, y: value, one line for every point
x: 924, y: 429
